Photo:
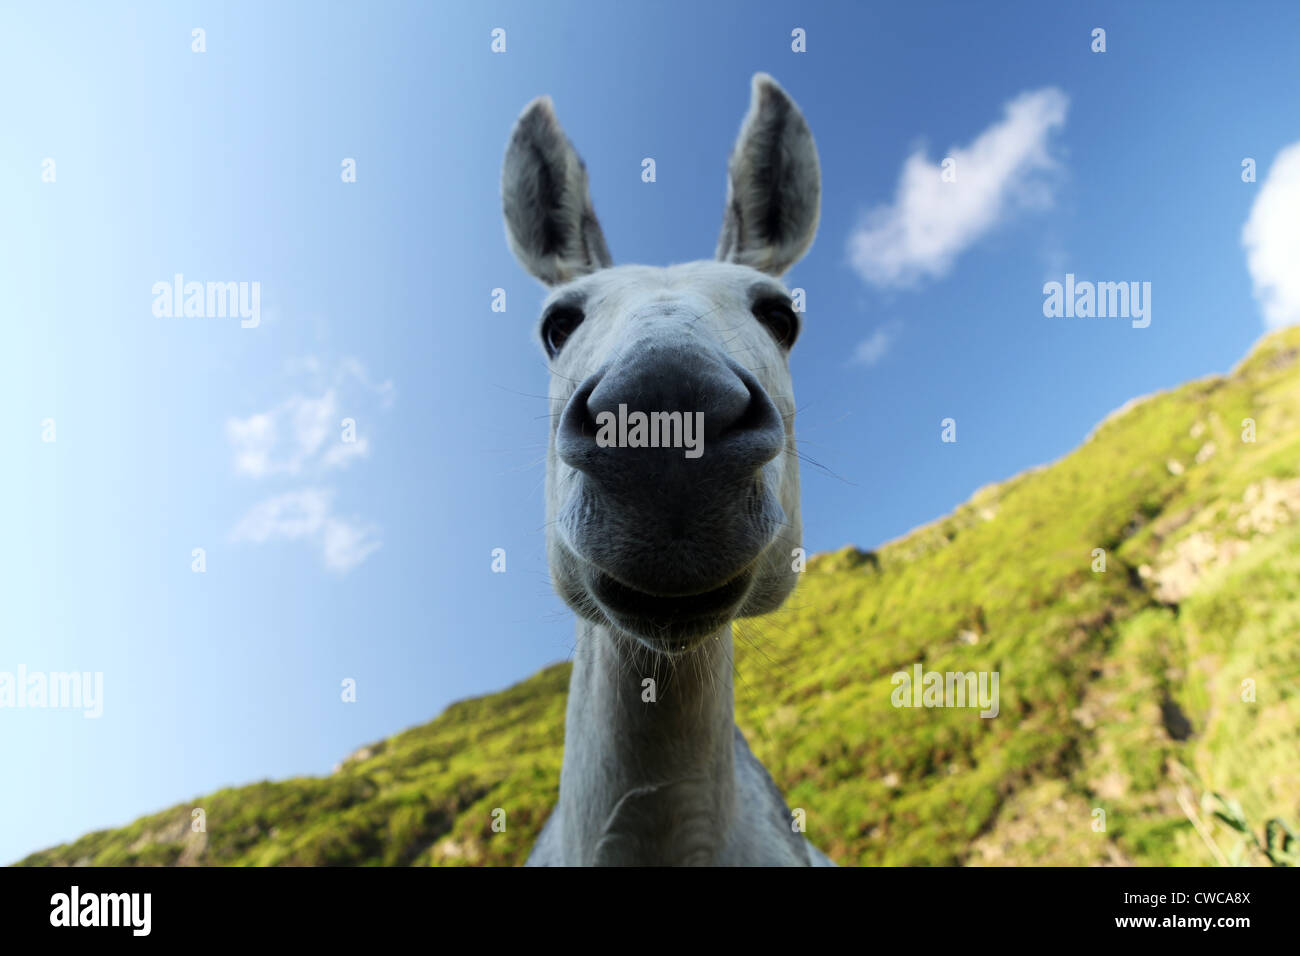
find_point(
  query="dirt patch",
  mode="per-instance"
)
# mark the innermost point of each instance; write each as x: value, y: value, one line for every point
x: 1265, y: 507
x: 1047, y: 822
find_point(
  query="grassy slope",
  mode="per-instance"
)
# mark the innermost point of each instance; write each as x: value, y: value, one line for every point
x: 1109, y: 681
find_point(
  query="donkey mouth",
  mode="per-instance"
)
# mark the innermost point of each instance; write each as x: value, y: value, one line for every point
x: 668, y: 623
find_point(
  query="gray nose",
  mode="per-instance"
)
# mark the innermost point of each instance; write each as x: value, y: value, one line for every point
x: 686, y: 391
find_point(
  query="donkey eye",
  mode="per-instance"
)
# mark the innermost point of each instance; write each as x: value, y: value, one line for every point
x: 779, y: 319
x: 559, y: 323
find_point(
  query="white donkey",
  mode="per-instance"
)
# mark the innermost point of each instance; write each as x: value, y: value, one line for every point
x: 656, y: 546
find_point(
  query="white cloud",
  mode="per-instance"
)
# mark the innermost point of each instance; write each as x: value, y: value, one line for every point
x: 345, y: 544
x: 303, y: 437
x: 298, y: 514
x: 873, y: 348
x: 1271, y: 238
x: 289, y: 437
x: 307, y: 515
x: 350, y: 368
x: 931, y: 222
x: 339, y: 453
x: 304, y: 433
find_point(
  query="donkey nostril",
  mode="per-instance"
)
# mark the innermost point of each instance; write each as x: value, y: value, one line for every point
x: 575, y: 435
x: 758, y: 435
x: 584, y: 421
x: 758, y: 414
x: 716, y: 411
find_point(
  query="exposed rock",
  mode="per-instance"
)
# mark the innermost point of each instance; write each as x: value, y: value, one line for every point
x: 1265, y: 506
x: 1268, y: 505
x: 1191, y: 560
x: 449, y: 849
x: 194, y: 847
x: 357, y: 756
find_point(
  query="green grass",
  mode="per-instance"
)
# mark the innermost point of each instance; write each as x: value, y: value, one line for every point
x: 1108, y: 681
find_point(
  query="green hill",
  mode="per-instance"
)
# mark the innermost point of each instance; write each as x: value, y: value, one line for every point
x: 1120, y: 690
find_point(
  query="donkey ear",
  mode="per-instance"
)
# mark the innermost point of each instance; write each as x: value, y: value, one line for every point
x: 773, y: 184
x: 550, y: 224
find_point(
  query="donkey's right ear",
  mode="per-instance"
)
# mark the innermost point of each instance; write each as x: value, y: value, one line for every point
x: 550, y: 223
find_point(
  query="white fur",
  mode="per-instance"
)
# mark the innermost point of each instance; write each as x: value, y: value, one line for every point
x: 671, y: 781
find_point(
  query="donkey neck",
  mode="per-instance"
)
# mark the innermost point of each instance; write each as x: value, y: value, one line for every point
x: 649, y: 769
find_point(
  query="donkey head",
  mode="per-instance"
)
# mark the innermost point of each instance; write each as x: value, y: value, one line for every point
x: 672, y: 477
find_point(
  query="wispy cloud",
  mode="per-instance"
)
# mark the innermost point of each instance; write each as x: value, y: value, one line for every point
x: 307, y: 515
x: 1271, y: 238
x: 297, y: 433
x: 313, y: 432
x: 306, y: 431
x: 874, y: 348
x: 931, y: 221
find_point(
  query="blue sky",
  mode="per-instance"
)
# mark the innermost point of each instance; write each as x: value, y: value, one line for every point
x: 371, y: 560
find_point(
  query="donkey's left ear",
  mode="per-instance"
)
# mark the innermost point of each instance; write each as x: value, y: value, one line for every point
x: 774, y: 184
x: 550, y: 223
